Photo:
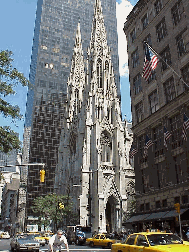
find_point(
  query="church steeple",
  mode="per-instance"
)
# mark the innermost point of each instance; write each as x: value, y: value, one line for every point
x: 98, y: 35
x: 76, y: 80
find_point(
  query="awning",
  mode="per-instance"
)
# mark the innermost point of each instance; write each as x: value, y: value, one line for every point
x: 137, y: 218
x: 173, y: 213
x: 156, y: 216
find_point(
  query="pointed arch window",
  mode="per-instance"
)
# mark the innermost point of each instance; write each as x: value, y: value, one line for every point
x: 106, y: 143
x: 91, y: 69
x: 99, y: 73
x: 107, y: 72
x: 77, y: 100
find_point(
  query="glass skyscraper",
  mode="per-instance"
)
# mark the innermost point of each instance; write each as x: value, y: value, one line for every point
x: 53, y: 43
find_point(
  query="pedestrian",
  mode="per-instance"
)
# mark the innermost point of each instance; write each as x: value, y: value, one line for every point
x: 56, y: 242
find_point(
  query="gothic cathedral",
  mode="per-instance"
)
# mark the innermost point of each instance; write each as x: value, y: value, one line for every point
x: 93, y: 165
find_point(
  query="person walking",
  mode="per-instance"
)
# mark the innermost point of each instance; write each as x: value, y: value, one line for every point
x: 56, y: 242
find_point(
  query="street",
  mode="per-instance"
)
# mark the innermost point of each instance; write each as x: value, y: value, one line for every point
x: 5, y: 246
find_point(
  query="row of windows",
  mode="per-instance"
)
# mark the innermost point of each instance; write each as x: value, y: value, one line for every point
x: 180, y: 41
x: 174, y: 125
x: 161, y: 204
x: 153, y: 98
x: 176, y: 11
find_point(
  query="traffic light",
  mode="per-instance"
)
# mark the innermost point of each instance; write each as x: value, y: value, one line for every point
x: 42, y: 176
x: 101, y: 217
x: 61, y: 205
x: 177, y: 207
x: 87, y: 207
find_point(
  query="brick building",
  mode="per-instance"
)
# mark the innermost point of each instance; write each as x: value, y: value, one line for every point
x: 158, y: 107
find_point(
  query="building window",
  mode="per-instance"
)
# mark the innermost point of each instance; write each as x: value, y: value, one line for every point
x: 157, y: 6
x: 161, y: 30
x: 177, y: 199
x: 157, y: 133
x: 154, y: 104
x: 149, y: 41
x: 137, y: 84
x: 139, y: 112
x: 176, y: 131
x: 142, y: 207
x: 147, y: 206
x: 152, y: 76
x: 158, y: 204
x: 181, y: 48
x: 177, y: 12
x: 135, y: 58
x: 144, y: 21
x: 169, y: 89
x: 106, y: 144
x: 166, y: 56
x: 164, y: 203
x: 185, y: 73
x: 133, y: 35
x: 184, y: 199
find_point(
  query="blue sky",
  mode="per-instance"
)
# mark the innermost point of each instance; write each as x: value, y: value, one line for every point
x: 17, y: 21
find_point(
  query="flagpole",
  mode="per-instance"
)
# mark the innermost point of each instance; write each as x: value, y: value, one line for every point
x: 166, y: 63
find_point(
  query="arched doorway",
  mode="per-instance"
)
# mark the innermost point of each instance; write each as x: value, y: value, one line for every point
x: 111, y: 214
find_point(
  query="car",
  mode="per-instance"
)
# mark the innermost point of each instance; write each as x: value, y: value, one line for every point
x: 40, y: 239
x: 24, y: 243
x: 103, y: 240
x: 4, y: 235
x: 43, y: 238
x: 80, y: 238
x: 151, y: 242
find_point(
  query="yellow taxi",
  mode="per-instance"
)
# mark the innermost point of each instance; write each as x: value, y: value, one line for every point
x: 103, y: 240
x: 151, y: 242
x: 43, y: 238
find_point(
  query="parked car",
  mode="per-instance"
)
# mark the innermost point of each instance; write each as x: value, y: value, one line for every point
x: 24, y: 243
x: 80, y: 238
x: 103, y: 240
x: 151, y: 242
x: 4, y: 235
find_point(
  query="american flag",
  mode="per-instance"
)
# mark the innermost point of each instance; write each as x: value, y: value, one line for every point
x: 132, y: 152
x: 185, y: 127
x: 167, y: 135
x: 150, y: 63
x: 148, y: 143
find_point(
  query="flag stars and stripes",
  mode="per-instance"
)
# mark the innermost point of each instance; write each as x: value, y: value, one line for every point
x: 185, y: 127
x: 132, y: 152
x: 167, y: 135
x: 148, y: 143
x: 150, y: 63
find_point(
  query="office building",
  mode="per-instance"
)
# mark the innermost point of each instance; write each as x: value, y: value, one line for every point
x: 160, y: 108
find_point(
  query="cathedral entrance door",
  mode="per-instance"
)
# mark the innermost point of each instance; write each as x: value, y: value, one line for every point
x: 111, y: 217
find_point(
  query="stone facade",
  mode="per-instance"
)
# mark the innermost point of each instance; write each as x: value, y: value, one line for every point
x: 161, y: 175
x: 93, y: 154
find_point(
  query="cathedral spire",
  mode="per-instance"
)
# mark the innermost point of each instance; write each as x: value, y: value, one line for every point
x: 77, y: 75
x: 76, y: 80
x: 98, y: 34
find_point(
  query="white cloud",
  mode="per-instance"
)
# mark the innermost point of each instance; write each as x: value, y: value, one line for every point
x: 122, y: 11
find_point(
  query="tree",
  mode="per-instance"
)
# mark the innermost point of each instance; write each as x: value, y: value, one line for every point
x: 9, y: 78
x: 54, y: 207
x: 131, y: 209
